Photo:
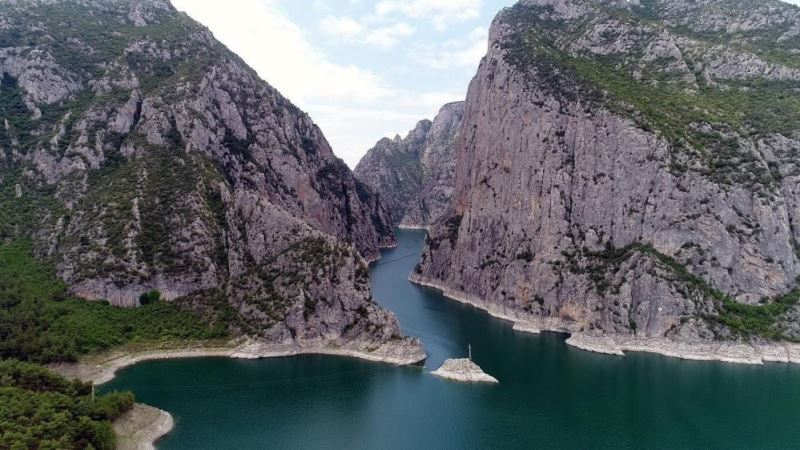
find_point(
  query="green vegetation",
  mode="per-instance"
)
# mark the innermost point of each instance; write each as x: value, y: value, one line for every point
x: 743, y: 320
x: 659, y: 100
x: 24, y: 214
x: 525, y: 255
x: 67, y: 28
x: 774, y: 43
x: 318, y: 252
x: 39, y: 322
x: 758, y: 320
x: 13, y: 110
x: 42, y: 410
x: 149, y: 297
x: 161, y: 186
x: 312, y: 262
x: 87, y: 43
x: 408, y: 163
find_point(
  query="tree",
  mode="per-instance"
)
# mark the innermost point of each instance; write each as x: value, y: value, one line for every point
x: 149, y: 297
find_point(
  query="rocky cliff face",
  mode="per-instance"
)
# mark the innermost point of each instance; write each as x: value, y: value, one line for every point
x: 630, y: 168
x: 139, y: 153
x: 394, y: 170
x: 415, y: 175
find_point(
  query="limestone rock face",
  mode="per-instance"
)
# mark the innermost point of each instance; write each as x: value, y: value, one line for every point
x: 393, y: 169
x: 139, y: 153
x: 630, y: 169
x: 415, y: 175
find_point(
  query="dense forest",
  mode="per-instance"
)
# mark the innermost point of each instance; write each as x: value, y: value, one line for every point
x: 41, y: 410
x: 40, y: 323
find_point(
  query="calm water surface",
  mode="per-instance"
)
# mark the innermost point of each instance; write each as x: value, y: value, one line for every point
x: 550, y: 395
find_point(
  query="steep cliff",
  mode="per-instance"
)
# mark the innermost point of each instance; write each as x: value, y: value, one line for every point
x: 393, y: 168
x: 630, y: 169
x: 139, y: 153
x: 415, y: 175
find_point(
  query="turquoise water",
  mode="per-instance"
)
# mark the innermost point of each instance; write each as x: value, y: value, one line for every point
x: 550, y: 395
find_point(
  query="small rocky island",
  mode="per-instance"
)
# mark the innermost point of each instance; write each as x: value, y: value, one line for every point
x: 463, y: 370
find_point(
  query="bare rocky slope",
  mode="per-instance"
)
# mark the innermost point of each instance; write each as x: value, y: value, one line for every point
x: 629, y: 169
x: 138, y: 153
x: 415, y: 174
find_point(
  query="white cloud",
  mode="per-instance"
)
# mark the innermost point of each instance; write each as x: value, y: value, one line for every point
x: 455, y: 54
x: 348, y: 29
x: 386, y: 37
x: 441, y: 12
x: 276, y: 48
x: 345, y: 28
x: 353, y: 106
x: 321, y: 6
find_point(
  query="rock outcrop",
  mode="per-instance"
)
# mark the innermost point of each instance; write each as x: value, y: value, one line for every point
x: 138, y: 153
x: 630, y: 169
x: 415, y: 174
x: 463, y: 370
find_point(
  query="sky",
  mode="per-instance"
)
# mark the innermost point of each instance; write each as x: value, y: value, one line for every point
x: 362, y: 69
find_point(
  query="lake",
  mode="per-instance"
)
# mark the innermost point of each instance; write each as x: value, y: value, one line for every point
x: 550, y: 395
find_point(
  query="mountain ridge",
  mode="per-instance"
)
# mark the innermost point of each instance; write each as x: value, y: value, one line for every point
x: 139, y: 153
x: 414, y: 175
x: 593, y: 188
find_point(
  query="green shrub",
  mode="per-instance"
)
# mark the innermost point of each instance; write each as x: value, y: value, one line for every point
x: 149, y: 297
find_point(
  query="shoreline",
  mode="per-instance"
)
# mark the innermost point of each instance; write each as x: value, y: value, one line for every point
x: 377, y: 258
x: 141, y: 427
x: 102, y: 368
x: 414, y: 227
x: 729, y: 352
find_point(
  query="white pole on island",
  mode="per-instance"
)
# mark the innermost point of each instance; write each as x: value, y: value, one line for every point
x: 469, y: 347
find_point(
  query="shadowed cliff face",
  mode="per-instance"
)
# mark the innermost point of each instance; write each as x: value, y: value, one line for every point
x: 630, y: 168
x: 139, y: 153
x: 415, y: 175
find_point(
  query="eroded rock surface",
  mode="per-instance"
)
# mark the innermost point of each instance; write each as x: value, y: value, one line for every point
x: 415, y: 174
x: 138, y: 153
x: 630, y: 169
x: 463, y: 370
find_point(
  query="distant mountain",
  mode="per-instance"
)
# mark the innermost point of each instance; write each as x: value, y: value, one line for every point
x: 629, y: 169
x: 415, y: 174
x: 138, y: 153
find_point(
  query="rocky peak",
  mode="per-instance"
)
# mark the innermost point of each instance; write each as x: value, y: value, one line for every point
x: 415, y: 174
x: 420, y: 131
x: 146, y: 12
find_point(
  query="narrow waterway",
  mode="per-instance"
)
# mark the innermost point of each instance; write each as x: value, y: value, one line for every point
x: 550, y: 395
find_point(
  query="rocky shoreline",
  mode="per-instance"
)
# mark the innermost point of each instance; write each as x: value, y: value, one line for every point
x: 524, y: 324
x: 731, y: 352
x: 463, y: 370
x: 141, y: 427
x: 102, y: 368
